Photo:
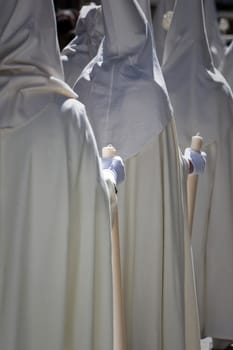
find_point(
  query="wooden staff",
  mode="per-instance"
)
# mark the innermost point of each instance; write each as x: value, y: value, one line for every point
x: 118, y: 311
x: 192, y: 182
x: 192, y: 333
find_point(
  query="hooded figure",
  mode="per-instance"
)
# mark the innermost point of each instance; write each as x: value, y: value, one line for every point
x: 121, y: 61
x: 216, y: 43
x: 161, y: 22
x: 80, y: 51
x: 202, y: 102
x: 127, y: 103
x: 55, y: 254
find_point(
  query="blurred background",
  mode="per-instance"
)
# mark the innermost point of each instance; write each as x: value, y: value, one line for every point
x: 67, y: 12
x: 221, y: 4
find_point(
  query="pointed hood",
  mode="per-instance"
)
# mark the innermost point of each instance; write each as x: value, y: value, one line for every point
x: 29, y: 57
x: 187, y: 33
x: 126, y: 102
x: 160, y: 33
x: 215, y: 42
x: 24, y: 30
x: 89, y: 34
x: 145, y: 5
x: 125, y: 29
x: 89, y: 28
x: 199, y: 93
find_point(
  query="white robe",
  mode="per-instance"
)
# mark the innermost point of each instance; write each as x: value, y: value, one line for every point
x: 127, y: 103
x: 203, y: 102
x: 55, y: 279
x: 155, y: 248
x: 55, y: 248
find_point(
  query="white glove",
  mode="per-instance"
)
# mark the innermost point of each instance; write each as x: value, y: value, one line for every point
x: 114, y: 173
x: 114, y: 169
x: 198, y: 160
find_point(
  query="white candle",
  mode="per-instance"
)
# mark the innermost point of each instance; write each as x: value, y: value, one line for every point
x: 108, y: 152
x: 167, y: 20
x: 197, y: 142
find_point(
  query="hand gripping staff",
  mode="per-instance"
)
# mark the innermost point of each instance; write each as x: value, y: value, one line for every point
x: 110, y: 162
x: 192, y: 181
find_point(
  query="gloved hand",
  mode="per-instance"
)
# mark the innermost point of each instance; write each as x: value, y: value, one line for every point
x: 197, y: 159
x: 114, y: 169
x: 114, y: 173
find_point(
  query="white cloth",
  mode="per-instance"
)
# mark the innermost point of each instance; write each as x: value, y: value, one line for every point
x: 163, y: 6
x: 55, y: 249
x: 203, y: 103
x: 128, y: 106
x: 145, y: 5
x: 216, y: 43
x: 126, y: 77
x: 79, y: 52
x: 155, y: 249
x: 227, y: 66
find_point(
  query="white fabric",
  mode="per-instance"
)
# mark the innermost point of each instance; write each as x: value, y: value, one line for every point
x: 202, y: 102
x: 216, y: 43
x: 163, y: 6
x: 79, y: 52
x: 227, y: 67
x: 145, y: 5
x: 28, y: 65
x: 126, y: 77
x: 155, y: 249
x: 131, y: 111
x: 55, y: 249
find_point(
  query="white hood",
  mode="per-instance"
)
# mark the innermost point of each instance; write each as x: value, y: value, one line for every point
x: 79, y: 52
x: 125, y: 28
x: 29, y: 59
x: 126, y: 102
x: 187, y: 33
x: 199, y: 93
x: 215, y: 42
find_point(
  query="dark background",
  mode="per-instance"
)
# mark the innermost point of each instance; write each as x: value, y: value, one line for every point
x: 61, y: 4
x: 221, y: 4
x: 224, y: 12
